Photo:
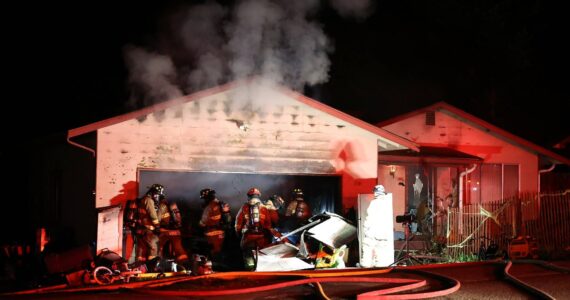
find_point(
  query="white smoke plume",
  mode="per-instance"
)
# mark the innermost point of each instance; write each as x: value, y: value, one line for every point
x: 276, y: 40
x: 279, y: 41
x: 201, y: 33
x: 152, y: 74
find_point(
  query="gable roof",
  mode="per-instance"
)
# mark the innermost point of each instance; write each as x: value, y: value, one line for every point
x: 483, y: 125
x: 228, y: 86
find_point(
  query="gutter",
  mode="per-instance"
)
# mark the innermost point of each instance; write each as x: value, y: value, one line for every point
x: 80, y: 146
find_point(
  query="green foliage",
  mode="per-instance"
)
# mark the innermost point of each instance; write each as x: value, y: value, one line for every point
x: 463, y: 257
x: 438, y: 245
x: 467, y: 257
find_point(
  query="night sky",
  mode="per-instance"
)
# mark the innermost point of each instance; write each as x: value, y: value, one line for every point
x: 503, y: 61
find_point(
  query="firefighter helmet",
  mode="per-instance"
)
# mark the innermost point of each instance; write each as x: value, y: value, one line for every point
x: 298, y: 194
x: 156, y: 189
x: 207, y: 194
x: 379, y: 190
x: 253, y: 192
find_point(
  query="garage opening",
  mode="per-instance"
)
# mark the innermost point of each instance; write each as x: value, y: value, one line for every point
x: 322, y: 192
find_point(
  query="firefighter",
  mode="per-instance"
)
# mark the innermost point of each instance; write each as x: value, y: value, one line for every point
x: 253, y: 223
x: 273, y: 205
x: 298, y: 207
x: 147, y: 244
x: 296, y: 213
x: 170, y: 222
x: 216, y: 220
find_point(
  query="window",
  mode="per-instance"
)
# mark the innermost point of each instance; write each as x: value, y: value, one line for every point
x: 491, y: 182
x: 510, y: 181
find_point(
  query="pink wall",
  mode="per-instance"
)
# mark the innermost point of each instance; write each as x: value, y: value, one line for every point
x: 390, y: 183
x: 450, y: 132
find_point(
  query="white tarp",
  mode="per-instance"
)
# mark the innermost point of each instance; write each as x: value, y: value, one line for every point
x: 280, y: 257
x: 267, y: 263
x: 333, y: 232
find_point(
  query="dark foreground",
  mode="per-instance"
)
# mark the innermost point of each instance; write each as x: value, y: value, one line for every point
x: 473, y: 281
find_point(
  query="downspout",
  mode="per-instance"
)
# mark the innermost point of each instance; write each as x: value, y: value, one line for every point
x: 461, y: 175
x: 539, y: 174
x: 80, y: 146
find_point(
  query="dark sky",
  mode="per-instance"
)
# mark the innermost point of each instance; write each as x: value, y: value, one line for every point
x: 503, y: 61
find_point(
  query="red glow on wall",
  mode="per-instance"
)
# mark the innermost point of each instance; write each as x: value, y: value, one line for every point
x: 128, y: 192
x: 351, y: 187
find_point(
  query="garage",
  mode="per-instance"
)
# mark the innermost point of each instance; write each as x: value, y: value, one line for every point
x: 322, y: 192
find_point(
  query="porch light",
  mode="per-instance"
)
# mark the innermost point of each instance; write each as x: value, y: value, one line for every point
x: 393, y: 170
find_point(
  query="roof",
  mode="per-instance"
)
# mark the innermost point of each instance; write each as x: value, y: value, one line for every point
x: 428, y: 154
x: 483, y: 125
x: 222, y: 88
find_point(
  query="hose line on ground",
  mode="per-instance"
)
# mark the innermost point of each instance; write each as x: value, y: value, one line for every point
x: 525, y: 286
x: 312, y: 277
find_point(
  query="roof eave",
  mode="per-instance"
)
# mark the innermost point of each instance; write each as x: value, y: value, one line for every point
x: 354, y: 121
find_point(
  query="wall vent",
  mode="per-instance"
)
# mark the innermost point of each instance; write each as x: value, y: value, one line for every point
x: 430, y: 118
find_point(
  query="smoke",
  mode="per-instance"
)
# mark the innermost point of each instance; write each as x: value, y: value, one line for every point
x: 281, y: 42
x: 152, y: 75
x: 201, y: 32
x: 359, y: 9
x: 272, y: 39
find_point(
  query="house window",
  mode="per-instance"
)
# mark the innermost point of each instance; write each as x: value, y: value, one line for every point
x: 510, y: 181
x: 492, y: 182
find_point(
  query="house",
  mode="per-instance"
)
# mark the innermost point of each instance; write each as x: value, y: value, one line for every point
x: 230, y: 138
x: 462, y: 160
x: 250, y: 133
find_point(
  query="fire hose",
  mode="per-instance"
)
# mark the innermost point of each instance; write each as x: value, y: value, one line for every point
x: 317, y: 278
x: 527, y: 287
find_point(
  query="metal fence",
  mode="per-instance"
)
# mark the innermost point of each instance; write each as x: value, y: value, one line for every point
x: 547, y: 220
